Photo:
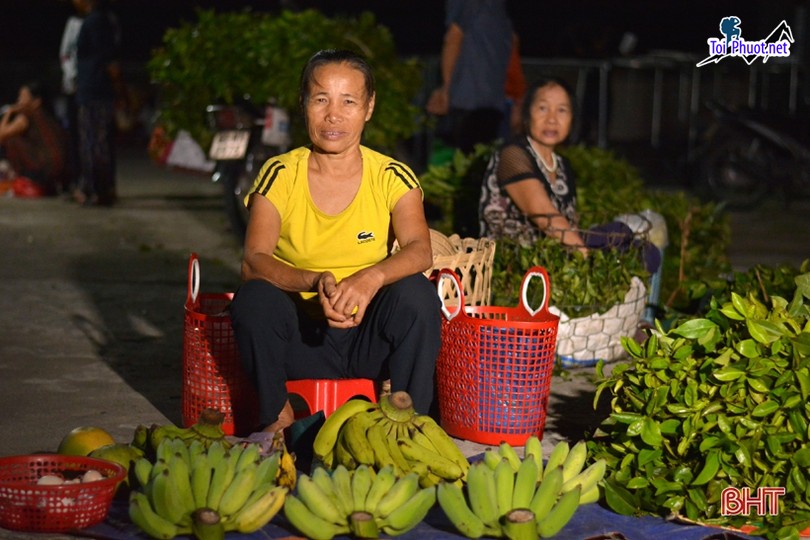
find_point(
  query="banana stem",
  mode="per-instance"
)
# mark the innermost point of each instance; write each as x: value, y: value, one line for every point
x: 519, y: 524
x: 209, y: 427
x: 398, y: 406
x: 363, y: 525
x: 211, y: 416
x: 207, y: 524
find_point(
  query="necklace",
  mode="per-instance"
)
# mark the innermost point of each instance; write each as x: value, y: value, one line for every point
x: 552, y: 168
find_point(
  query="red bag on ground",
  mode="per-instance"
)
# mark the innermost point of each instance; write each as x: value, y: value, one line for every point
x: 26, y: 188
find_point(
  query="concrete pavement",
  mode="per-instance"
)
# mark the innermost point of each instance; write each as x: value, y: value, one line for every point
x: 91, y: 303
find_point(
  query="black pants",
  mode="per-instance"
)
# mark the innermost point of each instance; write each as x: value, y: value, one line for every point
x: 97, y: 146
x: 70, y: 179
x: 399, y: 338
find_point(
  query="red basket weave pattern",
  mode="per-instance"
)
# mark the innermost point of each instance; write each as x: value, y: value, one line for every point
x: 494, y: 371
x: 212, y: 370
x: 26, y: 506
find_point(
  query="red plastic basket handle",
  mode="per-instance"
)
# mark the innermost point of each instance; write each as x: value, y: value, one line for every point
x: 447, y: 273
x: 193, y: 279
x: 533, y: 272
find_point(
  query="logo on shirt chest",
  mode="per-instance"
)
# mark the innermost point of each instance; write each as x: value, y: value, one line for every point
x: 364, y: 237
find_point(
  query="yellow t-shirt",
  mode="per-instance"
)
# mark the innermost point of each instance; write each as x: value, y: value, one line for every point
x: 355, y: 238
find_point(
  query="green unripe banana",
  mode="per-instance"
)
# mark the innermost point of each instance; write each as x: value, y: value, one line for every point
x: 560, y: 515
x: 453, y: 503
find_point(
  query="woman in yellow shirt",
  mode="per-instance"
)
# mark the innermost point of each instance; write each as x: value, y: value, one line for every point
x: 322, y: 297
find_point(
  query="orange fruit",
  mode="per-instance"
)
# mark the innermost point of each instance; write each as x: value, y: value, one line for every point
x: 83, y: 440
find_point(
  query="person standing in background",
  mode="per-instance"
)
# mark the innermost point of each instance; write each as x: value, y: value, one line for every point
x: 475, y: 55
x: 99, y: 82
x: 515, y: 90
x: 67, y: 62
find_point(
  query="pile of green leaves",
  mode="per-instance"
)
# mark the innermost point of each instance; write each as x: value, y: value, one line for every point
x: 717, y: 401
x: 699, y: 233
x: 221, y: 57
x: 580, y: 285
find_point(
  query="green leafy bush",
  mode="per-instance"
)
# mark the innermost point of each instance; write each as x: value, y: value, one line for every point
x: 222, y: 57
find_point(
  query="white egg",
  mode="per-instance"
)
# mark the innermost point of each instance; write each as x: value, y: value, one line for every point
x: 50, y: 480
x: 92, y: 475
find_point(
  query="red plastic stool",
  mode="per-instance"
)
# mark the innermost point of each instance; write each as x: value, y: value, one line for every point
x: 328, y: 394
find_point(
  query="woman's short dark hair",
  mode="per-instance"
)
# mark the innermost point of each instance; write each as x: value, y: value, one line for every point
x: 334, y: 56
x: 541, y: 82
x: 36, y: 89
x: 41, y: 92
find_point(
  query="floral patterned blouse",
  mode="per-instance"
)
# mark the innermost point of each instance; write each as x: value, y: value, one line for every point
x: 516, y: 161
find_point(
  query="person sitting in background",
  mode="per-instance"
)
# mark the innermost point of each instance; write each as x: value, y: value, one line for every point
x: 322, y: 297
x: 33, y: 141
x: 528, y: 190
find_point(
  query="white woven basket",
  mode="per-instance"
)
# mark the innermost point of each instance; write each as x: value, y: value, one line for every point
x: 470, y: 258
x: 583, y: 341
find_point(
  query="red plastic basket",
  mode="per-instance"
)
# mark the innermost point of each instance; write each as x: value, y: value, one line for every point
x: 212, y: 371
x: 494, y: 368
x: 26, y: 506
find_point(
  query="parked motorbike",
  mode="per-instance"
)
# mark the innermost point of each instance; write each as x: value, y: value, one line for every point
x: 245, y: 137
x: 748, y: 155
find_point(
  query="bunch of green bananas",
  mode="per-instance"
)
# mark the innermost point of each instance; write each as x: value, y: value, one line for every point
x: 190, y: 489
x: 360, y: 502
x: 389, y: 433
x: 207, y: 430
x: 506, y: 496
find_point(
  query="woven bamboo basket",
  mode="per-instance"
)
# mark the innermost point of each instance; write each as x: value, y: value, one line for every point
x: 470, y: 258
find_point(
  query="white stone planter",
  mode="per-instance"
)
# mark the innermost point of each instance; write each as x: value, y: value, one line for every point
x: 582, y: 342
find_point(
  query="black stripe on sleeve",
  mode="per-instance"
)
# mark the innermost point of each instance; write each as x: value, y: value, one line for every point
x: 403, y: 174
x: 270, y: 174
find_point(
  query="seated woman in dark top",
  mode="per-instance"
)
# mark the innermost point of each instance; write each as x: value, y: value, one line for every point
x: 529, y: 190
